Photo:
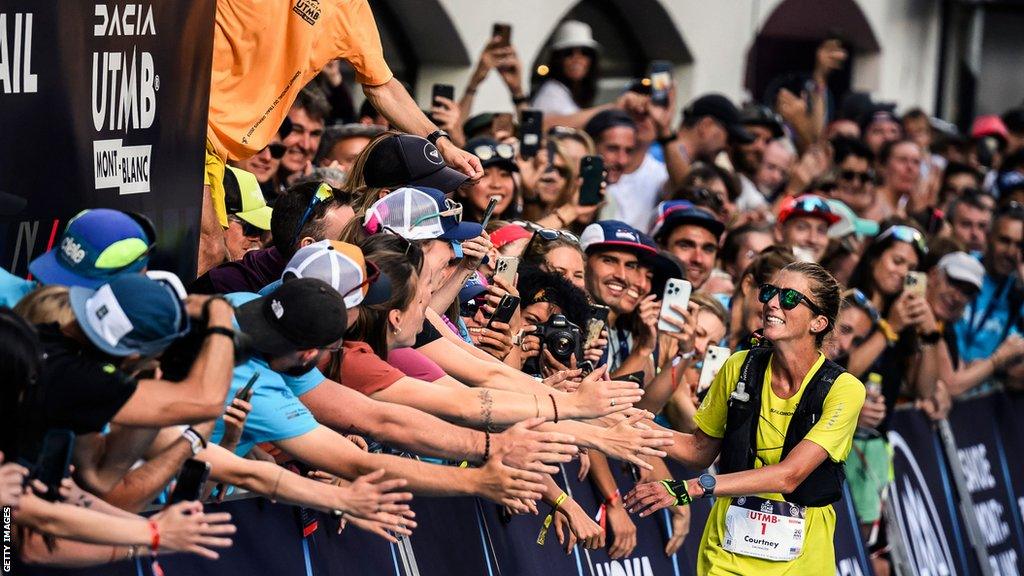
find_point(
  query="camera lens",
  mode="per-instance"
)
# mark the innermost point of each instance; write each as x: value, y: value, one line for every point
x: 560, y: 343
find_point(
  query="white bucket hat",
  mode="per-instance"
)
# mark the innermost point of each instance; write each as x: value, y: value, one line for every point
x: 574, y: 34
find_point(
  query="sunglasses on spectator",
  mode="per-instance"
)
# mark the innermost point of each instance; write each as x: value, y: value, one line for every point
x: 788, y: 298
x: 812, y: 204
x: 323, y: 193
x: 550, y: 235
x: 860, y: 300
x: 966, y: 191
x: 486, y: 152
x: 469, y: 308
x: 906, y: 234
x: 372, y: 274
x: 277, y: 150
x: 862, y: 177
x: 247, y: 229
x: 451, y: 208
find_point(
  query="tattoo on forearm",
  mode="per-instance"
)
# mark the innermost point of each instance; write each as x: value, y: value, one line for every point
x: 486, y: 409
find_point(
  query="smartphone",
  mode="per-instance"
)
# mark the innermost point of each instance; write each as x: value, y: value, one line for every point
x: 597, y: 319
x: 54, y: 462
x: 506, y: 308
x: 190, y: 481
x: 714, y: 358
x: 592, y: 172
x: 660, y: 73
x: 506, y: 268
x: 491, y: 204
x: 248, y: 386
x: 637, y: 377
x: 915, y: 283
x: 442, y: 91
x: 530, y: 125
x: 503, y: 32
x: 677, y: 292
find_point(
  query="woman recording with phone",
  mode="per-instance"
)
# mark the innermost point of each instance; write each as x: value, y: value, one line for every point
x: 781, y: 420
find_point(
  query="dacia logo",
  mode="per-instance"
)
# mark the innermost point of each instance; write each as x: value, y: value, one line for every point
x: 309, y: 10
x: 72, y: 250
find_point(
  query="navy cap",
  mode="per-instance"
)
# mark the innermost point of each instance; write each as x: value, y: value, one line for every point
x: 606, y: 120
x: 302, y: 314
x: 407, y: 160
x: 722, y: 109
x: 675, y: 213
x: 132, y: 314
x: 608, y: 235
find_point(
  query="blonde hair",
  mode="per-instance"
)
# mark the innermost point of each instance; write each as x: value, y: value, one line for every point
x: 46, y: 304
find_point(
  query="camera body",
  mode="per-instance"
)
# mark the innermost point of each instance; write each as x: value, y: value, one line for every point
x: 562, y: 338
x: 176, y: 362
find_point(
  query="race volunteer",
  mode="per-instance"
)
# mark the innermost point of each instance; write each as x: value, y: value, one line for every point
x: 782, y: 420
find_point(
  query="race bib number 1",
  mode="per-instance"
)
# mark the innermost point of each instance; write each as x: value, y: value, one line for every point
x: 764, y: 529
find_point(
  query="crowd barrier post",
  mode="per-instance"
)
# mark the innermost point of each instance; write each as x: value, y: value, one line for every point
x: 966, y: 505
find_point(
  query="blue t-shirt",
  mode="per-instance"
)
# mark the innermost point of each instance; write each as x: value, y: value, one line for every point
x: 277, y: 413
x: 13, y: 288
x: 985, y: 324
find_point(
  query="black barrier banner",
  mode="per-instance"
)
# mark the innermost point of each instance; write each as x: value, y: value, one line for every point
x: 851, y: 555
x: 1010, y: 411
x: 104, y: 104
x: 922, y: 497
x: 983, y: 459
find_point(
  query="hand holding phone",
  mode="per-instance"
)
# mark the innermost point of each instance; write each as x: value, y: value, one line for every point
x: 916, y: 283
x: 530, y: 125
x: 505, y: 310
x: 54, y: 462
x: 677, y: 293
x: 190, y: 482
x: 244, y: 392
x: 592, y: 174
x: 714, y: 359
x: 505, y: 268
x: 660, y: 73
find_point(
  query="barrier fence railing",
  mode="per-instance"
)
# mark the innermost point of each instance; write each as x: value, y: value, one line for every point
x: 467, y: 536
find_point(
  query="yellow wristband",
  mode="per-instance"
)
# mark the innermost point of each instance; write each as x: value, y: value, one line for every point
x: 550, y: 518
x: 887, y: 331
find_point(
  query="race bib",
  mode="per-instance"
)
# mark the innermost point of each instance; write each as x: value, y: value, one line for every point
x: 764, y: 529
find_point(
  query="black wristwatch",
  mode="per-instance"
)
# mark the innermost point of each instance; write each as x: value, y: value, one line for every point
x: 932, y: 337
x: 666, y: 140
x: 707, y: 483
x: 436, y: 135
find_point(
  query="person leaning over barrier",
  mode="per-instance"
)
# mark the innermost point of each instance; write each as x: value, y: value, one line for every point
x: 781, y: 419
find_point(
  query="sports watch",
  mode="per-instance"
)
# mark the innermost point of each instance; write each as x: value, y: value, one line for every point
x: 436, y: 135
x: 707, y: 483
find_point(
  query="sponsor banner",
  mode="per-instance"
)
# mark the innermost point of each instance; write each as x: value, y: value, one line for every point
x: 980, y: 448
x: 923, y: 499
x: 1009, y: 409
x: 851, y: 554
x: 104, y: 104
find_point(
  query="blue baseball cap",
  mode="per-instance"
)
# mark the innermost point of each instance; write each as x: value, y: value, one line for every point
x: 616, y: 235
x: 133, y: 314
x: 475, y: 285
x: 675, y: 213
x: 420, y: 213
x: 97, y: 246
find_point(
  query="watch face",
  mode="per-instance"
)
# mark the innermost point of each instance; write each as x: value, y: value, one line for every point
x: 706, y: 481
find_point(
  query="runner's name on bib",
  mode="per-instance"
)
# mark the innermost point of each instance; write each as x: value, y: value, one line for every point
x: 765, y: 529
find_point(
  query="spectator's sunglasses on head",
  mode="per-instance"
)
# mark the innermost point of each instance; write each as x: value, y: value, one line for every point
x: 406, y: 241
x: 550, y: 235
x: 451, y: 208
x: 788, y: 298
x: 863, y: 177
x: 906, y: 234
x: 486, y: 152
x: 857, y: 298
x: 372, y: 274
x: 247, y: 229
x: 277, y: 150
x: 324, y: 193
x: 812, y: 205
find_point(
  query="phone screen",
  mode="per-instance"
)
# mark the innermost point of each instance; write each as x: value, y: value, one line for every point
x: 190, y: 481
x: 530, y: 125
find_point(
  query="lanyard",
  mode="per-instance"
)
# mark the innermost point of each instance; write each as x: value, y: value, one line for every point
x: 973, y: 324
x: 622, y: 352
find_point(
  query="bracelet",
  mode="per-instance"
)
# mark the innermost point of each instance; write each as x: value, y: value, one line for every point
x: 555, y: 406
x: 221, y: 330
x: 487, y: 446
x: 664, y: 140
x: 523, y: 99
x: 931, y: 338
x: 550, y: 518
x: 195, y: 439
x: 154, y: 535
x: 890, y: 335
x: 677, y: 490
x: 273, y: 493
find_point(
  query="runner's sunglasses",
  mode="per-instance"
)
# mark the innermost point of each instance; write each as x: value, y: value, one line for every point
x: 788, y: 298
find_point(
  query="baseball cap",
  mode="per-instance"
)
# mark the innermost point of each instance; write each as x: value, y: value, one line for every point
x: 341, y: 265
x: 962, y: 267
x: 674, y: 213
x: 877, y: 112
x: 491, y: 153
x: 244, y: 198
x: 615, y: 235
x: 807, y: 205
x: 133, y: 314
x: 989, y: 125
x: 1009, y: 182
x: 301, y: 314
x: 96, y: 246
x: 849, y: 222
x: 754, y: 114
x: 606, y: 120
x: 407, y: 160
x: 420, y: 213
x: 479, y: 123
x: 474, y: 286
x: 508, y: 234
x: 722, y: 109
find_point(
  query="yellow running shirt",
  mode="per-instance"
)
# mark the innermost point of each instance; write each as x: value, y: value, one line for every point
x: 834, y: 433
x: 265, y: 51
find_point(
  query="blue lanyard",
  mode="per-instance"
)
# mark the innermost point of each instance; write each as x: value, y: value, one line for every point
x: 973, y: 324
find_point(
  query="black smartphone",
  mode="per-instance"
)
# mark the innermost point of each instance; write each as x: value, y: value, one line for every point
x: 190, y: 482
x: 592, y: 172
x: 660, y: 73
x: 440, y: 91
x: 531, y: 122
x: 248, y: 386
x: 637, y: 377
x: 491, y: 204
x: 54, y: 462
x: 506, y: 308
x: 503, y: 32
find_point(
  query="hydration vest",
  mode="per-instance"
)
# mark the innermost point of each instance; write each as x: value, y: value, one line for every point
x: 739, y: 446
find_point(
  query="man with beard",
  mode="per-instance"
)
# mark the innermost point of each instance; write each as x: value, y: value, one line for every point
x: 710, y: 123
x: 779, y: 156
x: 691, y: 234
x: 988, y: 338
x: 765, y: 126
x: 307, y: 126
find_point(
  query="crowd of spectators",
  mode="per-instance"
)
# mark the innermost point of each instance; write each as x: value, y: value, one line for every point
x: 354, y: 306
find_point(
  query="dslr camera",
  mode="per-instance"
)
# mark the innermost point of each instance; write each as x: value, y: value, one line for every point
x: 562, y: 338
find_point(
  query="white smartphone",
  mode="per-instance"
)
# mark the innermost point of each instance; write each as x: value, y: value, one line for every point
x: 714, y: 358
x: 506, y: 268
x: 916, y: 282
x: 677, y: 292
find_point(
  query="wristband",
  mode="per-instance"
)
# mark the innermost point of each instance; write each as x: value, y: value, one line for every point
x: 664, y: 140
x: 550, y: 518
x: 555, y: 406
x: 932, y: 337
x: 154, y: 538
x: 195, y: 439
x: 222, y: 331
x: 890, y: 335
x: 602, y: 512
x: 517, y: 100
x: 677, y: 490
